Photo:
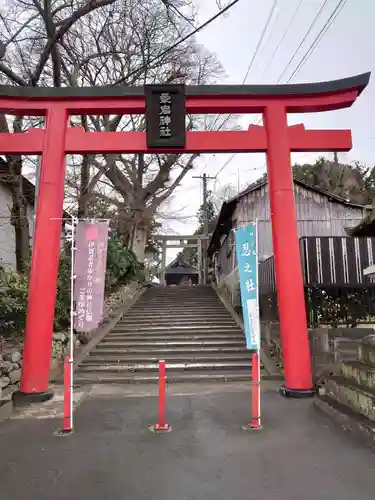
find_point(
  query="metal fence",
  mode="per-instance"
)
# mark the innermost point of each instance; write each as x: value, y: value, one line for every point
x: 336, y: 290
x: 328, y: 306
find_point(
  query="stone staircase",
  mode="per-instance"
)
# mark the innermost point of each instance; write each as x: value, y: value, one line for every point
x: 189, y: 327
x: 349, y: 397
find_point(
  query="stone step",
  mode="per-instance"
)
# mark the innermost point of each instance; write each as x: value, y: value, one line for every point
x: 151, y: 357
x: 170, y: 309
x: 196, y: 344
x: 181, y: 299
x: 176, y: 320
x: 178, y: 311
x: 190, y: 329
x: 348, y: 419
x: 173, y: 336
x: 176, y: 325
x: 171, y: 366
x: 172, y: 312
x: 362, y: 373
x: 163, y: 352
x: 171, y: 306
x: 179, y: 327
x: 351, y: 394
x: 181, y: 296
x: 152, y: 377
x: 176, y: 333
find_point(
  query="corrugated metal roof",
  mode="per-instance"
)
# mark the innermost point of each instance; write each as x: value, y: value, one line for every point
x: 224, y: 222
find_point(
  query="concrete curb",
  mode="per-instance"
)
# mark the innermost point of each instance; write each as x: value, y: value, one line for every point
x: 105, y: 328
x: 359, y: 426
x: 268, y: 363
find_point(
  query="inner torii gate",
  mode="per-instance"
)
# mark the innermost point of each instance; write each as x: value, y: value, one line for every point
x: 179, y: 243
x: 275, y: 139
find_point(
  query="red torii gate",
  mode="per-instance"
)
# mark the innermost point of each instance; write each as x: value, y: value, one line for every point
x: 276, y: 139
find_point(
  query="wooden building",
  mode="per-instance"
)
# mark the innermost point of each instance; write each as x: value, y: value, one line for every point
x: 319, y: 214
x: 180, y: 272
x: 7, y: 230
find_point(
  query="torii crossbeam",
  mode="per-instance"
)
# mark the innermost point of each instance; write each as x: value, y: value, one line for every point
x: 276, y: 139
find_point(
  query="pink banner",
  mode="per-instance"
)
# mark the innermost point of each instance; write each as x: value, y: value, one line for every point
x: 90, y: 268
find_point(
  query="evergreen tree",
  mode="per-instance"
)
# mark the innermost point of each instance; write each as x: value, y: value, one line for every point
x: 191, y: 254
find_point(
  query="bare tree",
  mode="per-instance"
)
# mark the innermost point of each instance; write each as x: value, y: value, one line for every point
x: 102, y: 42
x: 130, y: 45
x: 32, y: 34
x: 221, y: 194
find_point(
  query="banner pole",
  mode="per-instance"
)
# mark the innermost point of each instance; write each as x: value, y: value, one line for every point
x: 72, y: 313
x: 255, y: 422
x: 67, y: 419
x: 69, y: 359
x: 255, y: 392
x: 247, y: 250
x: 258, y: 310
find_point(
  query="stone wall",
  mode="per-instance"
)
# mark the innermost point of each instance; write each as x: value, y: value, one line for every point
x: 328, y: 346
x: 11, y: 351
x: 349, y: 396
x: 10, y: 370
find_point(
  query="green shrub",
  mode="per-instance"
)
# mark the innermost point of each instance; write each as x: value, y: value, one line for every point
x: 122, y: 267
x: 62, y: 307
x: 13, y: 301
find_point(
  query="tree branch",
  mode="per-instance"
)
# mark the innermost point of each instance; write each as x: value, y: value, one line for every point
x: 50, y: 30
x: 10, y: 74
x: 65, y: 26
x: 161, y: 178
x: 159, y: 199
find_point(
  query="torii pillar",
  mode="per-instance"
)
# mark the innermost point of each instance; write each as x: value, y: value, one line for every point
x: 275, y: 139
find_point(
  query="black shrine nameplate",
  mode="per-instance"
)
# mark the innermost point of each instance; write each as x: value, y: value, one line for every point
x: 165, y: 116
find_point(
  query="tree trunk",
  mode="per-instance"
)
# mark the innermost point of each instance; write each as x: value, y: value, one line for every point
x: 19, y: 215
x: 139, y: 241
x: 83, y: 190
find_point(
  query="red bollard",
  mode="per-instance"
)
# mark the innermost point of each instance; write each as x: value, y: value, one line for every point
x: 255, y: 423
x: 161, y: 426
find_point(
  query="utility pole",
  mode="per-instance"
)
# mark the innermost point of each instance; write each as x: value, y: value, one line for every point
x: 204, y: 178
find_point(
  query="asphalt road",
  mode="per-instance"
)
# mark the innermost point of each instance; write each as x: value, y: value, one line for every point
x: 299, y: 455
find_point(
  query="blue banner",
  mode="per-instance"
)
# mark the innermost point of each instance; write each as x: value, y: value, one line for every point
x: 247, y: 259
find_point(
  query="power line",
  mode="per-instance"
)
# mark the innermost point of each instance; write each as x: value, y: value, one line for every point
x: 260, y: 40
x: 309, y: 51
x: 303, y: 39
x: 179, y: 42
x: 246, y: 75
x: 313, y: 45
x: 319, y: 37
x: 281, y: 10
x: 282, y: 38
x: 226, y: 164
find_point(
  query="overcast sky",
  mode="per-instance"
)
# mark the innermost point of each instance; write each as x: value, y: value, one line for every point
x: 347, y: 49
